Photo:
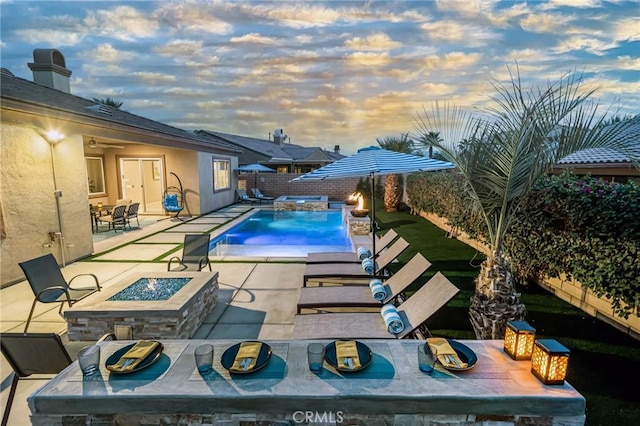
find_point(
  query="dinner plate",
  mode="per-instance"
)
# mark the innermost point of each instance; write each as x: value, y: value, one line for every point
x: 149, y: 360
x: 229, y: 356
x: 364, y: 354
x: 465, y: 353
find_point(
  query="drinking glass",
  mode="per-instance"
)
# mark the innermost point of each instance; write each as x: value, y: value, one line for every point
x: 204, y: 358
x: 426, y: 360
x: 89, y: 359
x: 315, y: 356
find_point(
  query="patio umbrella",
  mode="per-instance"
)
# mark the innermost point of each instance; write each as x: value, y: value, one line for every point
x: 255, y: 168
x: 375, y: 161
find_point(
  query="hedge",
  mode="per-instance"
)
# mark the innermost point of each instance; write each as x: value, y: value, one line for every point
x: 586, y: 228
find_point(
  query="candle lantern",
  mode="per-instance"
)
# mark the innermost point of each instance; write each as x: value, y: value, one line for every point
x: 99, y: 205
x: 549, y: 361
x: 518, y: 340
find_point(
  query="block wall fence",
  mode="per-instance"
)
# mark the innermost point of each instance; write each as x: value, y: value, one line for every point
x: 277, y: 184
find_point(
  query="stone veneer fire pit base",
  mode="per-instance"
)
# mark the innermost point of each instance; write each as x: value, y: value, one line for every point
x: 175, y: 318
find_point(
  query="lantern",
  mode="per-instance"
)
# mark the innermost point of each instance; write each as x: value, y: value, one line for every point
x: 550, y: 361
x: 518, y: 340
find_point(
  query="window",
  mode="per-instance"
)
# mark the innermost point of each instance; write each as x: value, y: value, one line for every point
x: 95, y: 176
x: 221, y: 174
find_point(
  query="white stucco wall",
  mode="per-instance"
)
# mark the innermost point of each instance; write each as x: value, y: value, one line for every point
x: 29, y: 204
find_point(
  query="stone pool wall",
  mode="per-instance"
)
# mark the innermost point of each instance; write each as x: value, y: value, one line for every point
x: 312, y: 204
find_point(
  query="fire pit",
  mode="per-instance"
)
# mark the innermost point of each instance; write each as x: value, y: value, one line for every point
x: 359, y: 213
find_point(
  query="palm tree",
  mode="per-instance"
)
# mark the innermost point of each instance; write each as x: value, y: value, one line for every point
x: 393, y: 185
x: 504, y: 151
x: 108, y: 101
x: 429, y: 139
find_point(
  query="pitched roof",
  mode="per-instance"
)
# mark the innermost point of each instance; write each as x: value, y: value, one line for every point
x: 630, y: 136
x: 32, y: 97
x: 277, y: 153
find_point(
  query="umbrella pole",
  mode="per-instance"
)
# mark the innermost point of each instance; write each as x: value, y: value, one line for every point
x: 373, y: 222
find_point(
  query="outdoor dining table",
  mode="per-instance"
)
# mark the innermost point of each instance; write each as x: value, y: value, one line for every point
x: 391, y: 388
x: 96, y: 212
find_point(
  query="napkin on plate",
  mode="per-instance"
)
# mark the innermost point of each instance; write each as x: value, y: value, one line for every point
x: 447, y: 356
x: 247, y: 350
x: 138, y: 353
x: 347, y: 349
x: 377, y: 289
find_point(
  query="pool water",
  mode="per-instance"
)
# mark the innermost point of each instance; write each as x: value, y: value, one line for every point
x: 284, y: 233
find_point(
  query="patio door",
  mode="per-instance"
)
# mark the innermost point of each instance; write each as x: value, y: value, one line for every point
x: 142, y: 182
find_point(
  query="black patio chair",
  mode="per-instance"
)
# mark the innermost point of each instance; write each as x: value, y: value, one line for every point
x: 195, y: 253
x: 116, y: 218
x: 49, y: 285
x: 132, y: 212
x: 37, y: 353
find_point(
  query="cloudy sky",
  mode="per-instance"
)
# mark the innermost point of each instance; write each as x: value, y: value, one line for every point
x: 333, y: 72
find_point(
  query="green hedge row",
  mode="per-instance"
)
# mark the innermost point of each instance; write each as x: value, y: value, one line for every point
x: 586, y: 228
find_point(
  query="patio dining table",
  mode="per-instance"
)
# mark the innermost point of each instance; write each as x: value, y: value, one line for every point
x: 391, y: 389
x: 95, y: 212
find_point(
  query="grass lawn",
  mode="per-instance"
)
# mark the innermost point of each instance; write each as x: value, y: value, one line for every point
x: 605, y: 363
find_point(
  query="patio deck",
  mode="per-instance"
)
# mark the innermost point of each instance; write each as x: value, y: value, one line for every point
x: 249, y: 307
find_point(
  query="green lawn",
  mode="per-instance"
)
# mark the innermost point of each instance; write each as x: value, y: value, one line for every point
x: 605, y: 363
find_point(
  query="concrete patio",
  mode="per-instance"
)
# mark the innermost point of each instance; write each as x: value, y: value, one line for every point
x: 257, y: 296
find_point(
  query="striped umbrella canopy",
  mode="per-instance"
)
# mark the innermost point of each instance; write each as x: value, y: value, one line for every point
x: 374, y: 161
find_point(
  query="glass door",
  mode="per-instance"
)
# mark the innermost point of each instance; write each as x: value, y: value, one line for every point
x: 142, y: 182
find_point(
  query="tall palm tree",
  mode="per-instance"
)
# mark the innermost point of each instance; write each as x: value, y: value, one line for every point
x: 393, y: 185
x: 108, y: 101
x: 503, y: 152
x: 429, y: 139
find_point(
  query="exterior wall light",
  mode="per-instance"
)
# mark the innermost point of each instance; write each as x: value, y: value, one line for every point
x: 550, y: 361
x: 53, y: 136
x: 518, y: 340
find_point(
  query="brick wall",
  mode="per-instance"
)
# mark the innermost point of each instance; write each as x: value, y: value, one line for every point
x: 277, y: 184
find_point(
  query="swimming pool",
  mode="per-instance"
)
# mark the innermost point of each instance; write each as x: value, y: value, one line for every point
x: 284, y: 233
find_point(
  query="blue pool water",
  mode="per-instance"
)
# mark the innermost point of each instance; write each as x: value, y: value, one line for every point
x: 150, y: 289
x: 284, y: 233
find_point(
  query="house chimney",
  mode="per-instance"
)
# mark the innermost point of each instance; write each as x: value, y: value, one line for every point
x: 279, y: 137
x: 49, y: 69
x: 336, y: 149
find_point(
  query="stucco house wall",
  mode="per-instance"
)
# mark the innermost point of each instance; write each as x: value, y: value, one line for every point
x: 28, y: 200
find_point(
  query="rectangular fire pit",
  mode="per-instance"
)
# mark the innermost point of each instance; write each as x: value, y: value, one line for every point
x: 157, y: 305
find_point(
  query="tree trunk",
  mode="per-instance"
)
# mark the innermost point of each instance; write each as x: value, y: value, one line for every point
x: 392, y: 196
x: 495, y: 301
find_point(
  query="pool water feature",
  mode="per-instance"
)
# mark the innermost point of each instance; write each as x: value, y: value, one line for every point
x: 284, y: 233
x: 151, y: 289
x: 301, y: 202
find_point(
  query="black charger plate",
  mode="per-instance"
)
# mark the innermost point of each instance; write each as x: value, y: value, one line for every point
x: 364, y: 354
x: 229, y: 357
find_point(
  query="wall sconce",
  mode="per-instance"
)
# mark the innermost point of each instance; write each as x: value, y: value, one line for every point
x: 518, y: 340
x: 550, y: 361
x: 53, y: 136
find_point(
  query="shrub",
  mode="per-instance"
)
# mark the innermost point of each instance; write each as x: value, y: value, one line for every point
x: 586, y: 228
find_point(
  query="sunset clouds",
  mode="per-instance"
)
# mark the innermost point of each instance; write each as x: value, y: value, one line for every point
x: 327, y: 72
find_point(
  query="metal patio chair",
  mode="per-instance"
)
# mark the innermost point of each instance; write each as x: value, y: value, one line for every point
x: 49, y: 285
x: 132, y: 212
x: 195, y: 254
x: 37, y: 353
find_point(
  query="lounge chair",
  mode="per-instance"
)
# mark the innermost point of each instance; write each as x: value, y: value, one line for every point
x: 243, y: 197
x: 260, y: 196
x: 361, y: 296
x: 195, y: 254
x: 322, y: 271
x: 49, y: 285
x: 37, y: 353
x: 349, y: 257
x: 414, y: 311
